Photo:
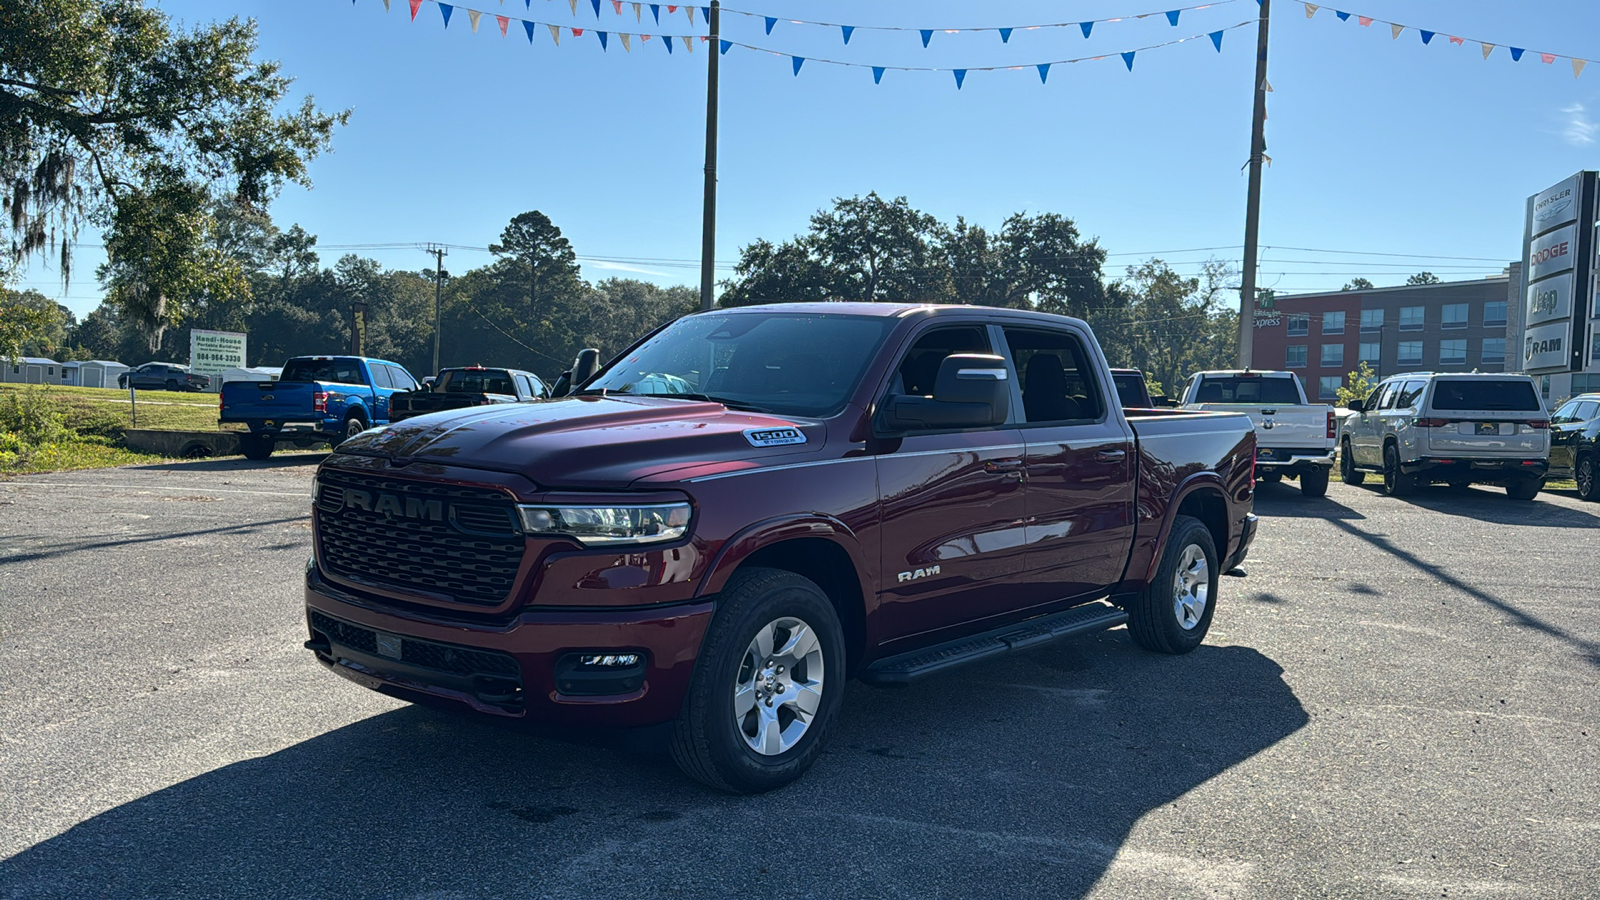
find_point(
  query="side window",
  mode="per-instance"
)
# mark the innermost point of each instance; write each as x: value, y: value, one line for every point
x: 380, y: 376
x: 1387, y: 397
x: 1058, y: 384
x: 919, y: 368
x: 1411, y: 394
x: 1588, y: 411
x: 1567, y: 413
x: 401, y: 378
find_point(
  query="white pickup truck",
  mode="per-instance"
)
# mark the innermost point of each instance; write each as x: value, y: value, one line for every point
x: 1293, y: 438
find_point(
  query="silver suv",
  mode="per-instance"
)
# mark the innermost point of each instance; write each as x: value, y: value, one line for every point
x: 1460, y: 429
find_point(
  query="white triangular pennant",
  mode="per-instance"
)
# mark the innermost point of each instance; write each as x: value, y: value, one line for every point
x: 626, y: 42
x: 1487, y: 49
x: 1577, y: 66
x: 690, y: 11
x: 1266, y: 85
x: 688, y: 44
x: 472, y: 16
x: 638, y: 12
x: 574, y: 4
x: 1396, y: 29
x: 385, y: 5
x: 555, y: 33
x: 1311, y: 10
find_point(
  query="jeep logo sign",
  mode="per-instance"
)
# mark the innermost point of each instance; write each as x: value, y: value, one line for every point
x: 394, y: 506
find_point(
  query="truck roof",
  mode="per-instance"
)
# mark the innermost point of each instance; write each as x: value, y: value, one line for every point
x: 898, y: 310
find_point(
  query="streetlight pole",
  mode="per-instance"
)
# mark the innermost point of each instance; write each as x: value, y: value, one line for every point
x: 1252, y: 215
x: 708, y: 237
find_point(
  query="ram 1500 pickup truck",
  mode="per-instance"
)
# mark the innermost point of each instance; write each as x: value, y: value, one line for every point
x: 872, y: 491
x: 314, y: 399
x: 467, y: 386
x: 1294, y: 438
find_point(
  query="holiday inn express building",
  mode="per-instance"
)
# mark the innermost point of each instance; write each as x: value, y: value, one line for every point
x: 1457, y: 326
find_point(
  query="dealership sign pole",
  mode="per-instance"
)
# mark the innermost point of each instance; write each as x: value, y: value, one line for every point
x: 1558, y: 249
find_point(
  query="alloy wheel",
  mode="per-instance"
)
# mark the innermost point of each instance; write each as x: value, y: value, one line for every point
x: 778, y: 689
x: 1191, y: 587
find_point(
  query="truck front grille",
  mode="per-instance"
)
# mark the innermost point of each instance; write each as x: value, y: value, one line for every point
x: 416, y: 536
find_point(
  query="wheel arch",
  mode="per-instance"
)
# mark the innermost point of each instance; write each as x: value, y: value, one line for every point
x: 818, y: 548
x: 1202, y: 498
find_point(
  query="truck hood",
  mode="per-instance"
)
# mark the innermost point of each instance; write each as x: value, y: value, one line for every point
x: 598, y: 441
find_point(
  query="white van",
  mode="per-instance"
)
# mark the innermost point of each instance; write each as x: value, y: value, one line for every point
x: 1461, y: 429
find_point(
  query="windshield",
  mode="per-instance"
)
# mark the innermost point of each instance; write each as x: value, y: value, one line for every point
x: 802, y: 365
x: 491, y: 381
x: 1511, y: 394
x: 1245, y: 389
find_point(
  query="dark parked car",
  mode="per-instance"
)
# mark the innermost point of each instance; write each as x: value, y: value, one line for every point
x: 838, y: 490
x: 468, y: 386
x: 1132, y: 391
x: 159, y: 376
x: 1575, y: 443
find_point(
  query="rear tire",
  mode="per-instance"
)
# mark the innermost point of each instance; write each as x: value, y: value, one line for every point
x: 1348, y: 473
x: 1586, y: 477
x: 1524, y: 488
x: 1314, y: 482
x: 256, y: 447
x: 1395, y: 482
x: 738, y: 728
x: 1173, y: 613
x: 352, y: 427
x: 172, y: 385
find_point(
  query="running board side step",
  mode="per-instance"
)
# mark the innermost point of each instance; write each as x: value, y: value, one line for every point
x: 1019, y: 636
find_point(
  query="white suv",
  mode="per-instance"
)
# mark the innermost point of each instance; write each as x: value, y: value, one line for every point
x: 1424, y: 427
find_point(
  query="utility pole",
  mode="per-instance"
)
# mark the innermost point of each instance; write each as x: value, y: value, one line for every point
x: 439, y: 253
x: 1252, y: 215
x: 708, y: 236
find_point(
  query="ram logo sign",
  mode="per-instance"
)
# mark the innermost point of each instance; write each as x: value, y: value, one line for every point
x: 914, y: 574
x: 395, y: 507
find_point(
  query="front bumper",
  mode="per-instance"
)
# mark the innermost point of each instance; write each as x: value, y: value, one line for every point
x: 512, y: 668
x: 1476, y: 469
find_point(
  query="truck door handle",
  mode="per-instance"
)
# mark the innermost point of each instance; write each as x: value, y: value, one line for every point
x: 1110, y: 456
x: 995, y: 466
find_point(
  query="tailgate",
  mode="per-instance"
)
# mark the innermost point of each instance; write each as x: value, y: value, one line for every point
x: 1282, y: 427
x: 1487, y: 433
x: 276, y: 400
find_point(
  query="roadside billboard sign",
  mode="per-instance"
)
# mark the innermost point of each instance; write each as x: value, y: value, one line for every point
x: 213, y: 352
x: 1559, y: 260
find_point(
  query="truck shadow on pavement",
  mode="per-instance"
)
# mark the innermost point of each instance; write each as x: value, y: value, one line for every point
x: 1487, y: 503
x: 1283, y: 500
x: 1020, y: 777
x: 239, y: 463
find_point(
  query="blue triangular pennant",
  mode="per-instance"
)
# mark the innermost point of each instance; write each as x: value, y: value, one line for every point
x: 706, y: 11
x: 602, y: 39
x: 1005, y: 35
x: 596, y: 4
x: 961, y: 75
x: 770, y: 22
x: 798, y: 62
x: 1087, y: 27
x: 655, y: 10
x: 1343, y: 16
x: 1216, y: 38
x: 1044, y: 72
x: 1172, y: 16
x: 1516, y: 54
x: 726, y: 46
x: 1426, y: 36
x: 528, y: 27
x: 927, y: 35
x: 877, y: 74
x: 666, y: 39
x: 1128, y: 58
x: 847, y: 29
x: 445, y: 10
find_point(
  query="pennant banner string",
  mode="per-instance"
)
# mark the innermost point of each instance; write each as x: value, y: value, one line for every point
x: 448, y: 9
x: 1397, y: 28
x: 1171, y: 14
x: 1126, y: 56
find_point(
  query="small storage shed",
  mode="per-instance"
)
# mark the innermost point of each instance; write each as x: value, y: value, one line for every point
x: 253, y: 373
x: 30, y: 370
x: 100, y: 373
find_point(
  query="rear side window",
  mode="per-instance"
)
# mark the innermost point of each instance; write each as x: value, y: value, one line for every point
x: 1511, y: 395
x: 1130, y: 390
x: 401, y: 378
x: 1391, y: 392
x: 1247, y: 389
x: 1058, y: 383
x: 380, y: 377
x: 1411, y: 394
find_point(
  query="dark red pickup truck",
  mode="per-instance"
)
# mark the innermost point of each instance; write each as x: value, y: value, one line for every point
x: 751, y: 505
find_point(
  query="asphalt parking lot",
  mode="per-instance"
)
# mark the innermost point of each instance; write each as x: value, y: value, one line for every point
x: 1400, y: 700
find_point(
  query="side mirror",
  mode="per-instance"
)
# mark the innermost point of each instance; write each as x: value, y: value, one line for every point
x: 585, y: 366
x: 1356, y: 405
x: 972, y: 390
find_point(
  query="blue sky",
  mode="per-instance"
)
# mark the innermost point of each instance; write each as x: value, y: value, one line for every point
x: 1378, y: 145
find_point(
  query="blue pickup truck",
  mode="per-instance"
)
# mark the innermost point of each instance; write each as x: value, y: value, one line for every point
x: 315, y: 399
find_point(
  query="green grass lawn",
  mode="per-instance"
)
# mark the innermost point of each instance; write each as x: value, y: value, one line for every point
x: 95, y: 419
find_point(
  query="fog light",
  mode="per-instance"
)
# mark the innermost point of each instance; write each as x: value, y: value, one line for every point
x: 610, y: 660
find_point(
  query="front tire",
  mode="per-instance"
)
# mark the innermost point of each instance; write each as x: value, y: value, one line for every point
x: 1395, y: 482
x: 1584, y: 474
x: 1348, y: 473
x: 767, y: 685
x: 1314, y: 482
x: 1173, y: 613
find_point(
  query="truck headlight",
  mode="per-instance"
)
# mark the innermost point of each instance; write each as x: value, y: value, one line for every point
x: 605, y: 526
